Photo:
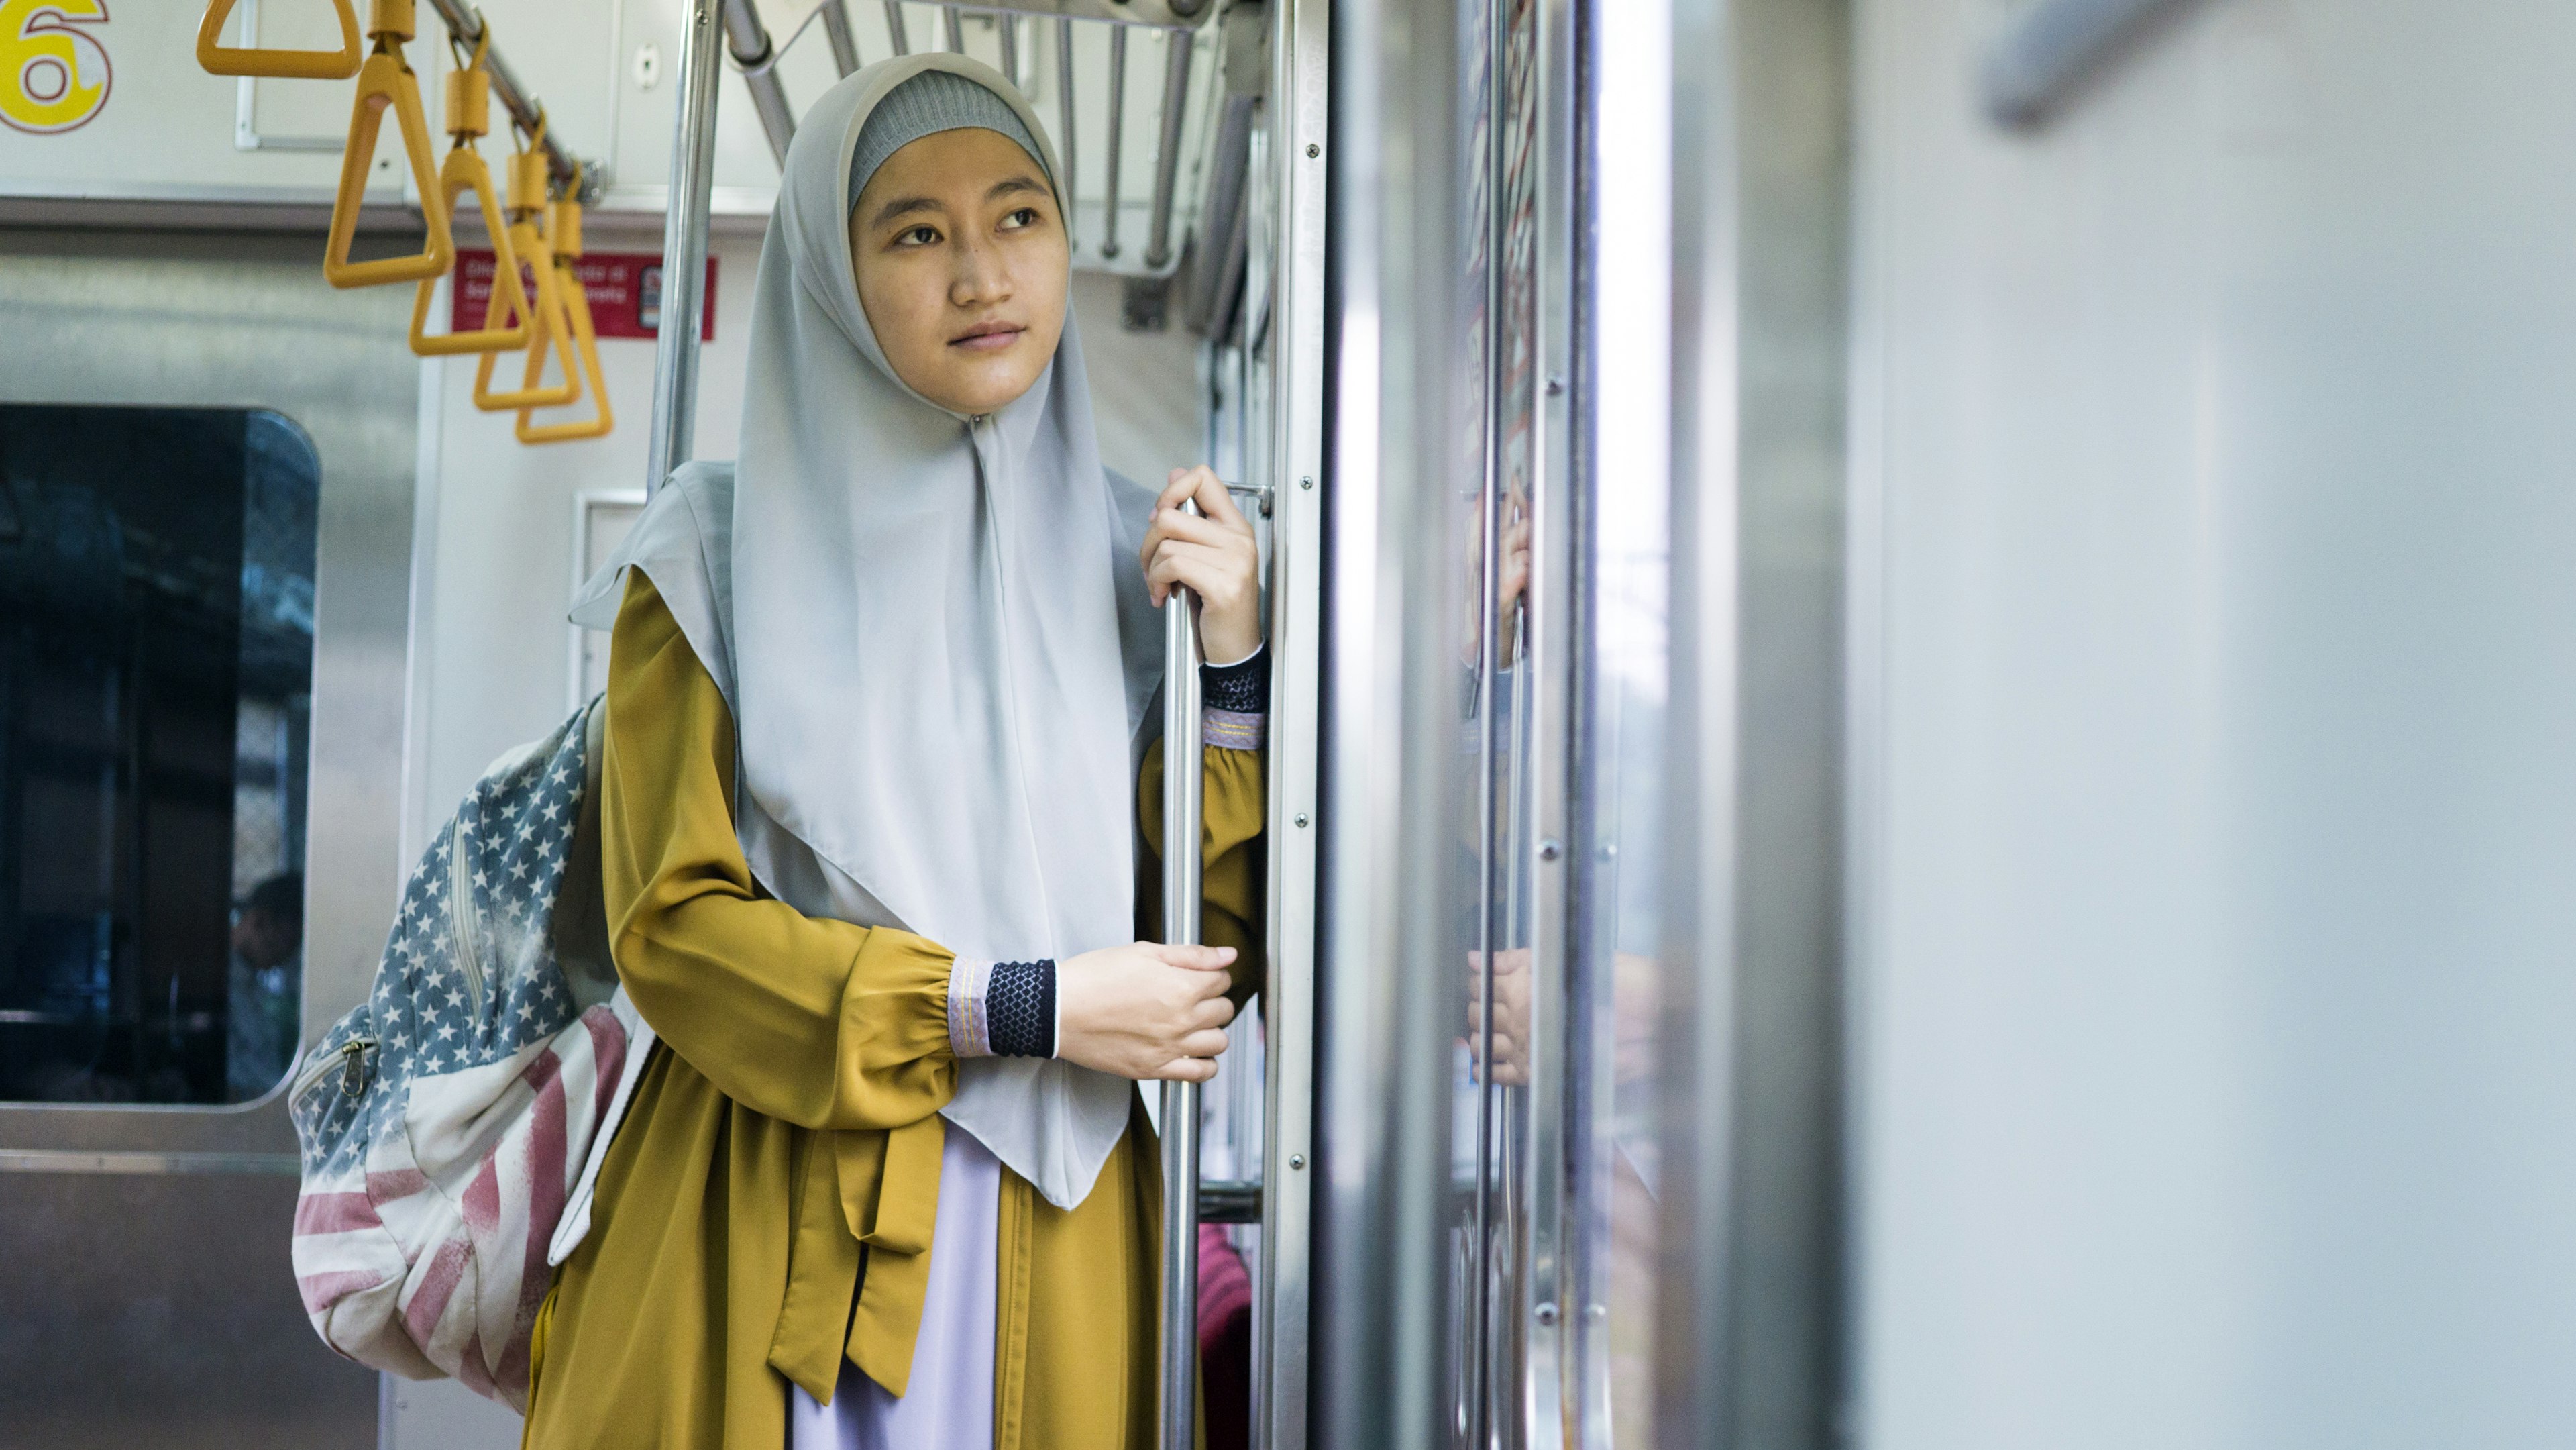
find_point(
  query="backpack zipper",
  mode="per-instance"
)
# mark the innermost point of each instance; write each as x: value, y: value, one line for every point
x: 350, y: 1058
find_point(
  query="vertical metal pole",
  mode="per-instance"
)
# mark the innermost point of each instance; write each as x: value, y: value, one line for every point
x: 894, y: 27
x: 1010, y: 34
x: 1117, y: 124
x: 1178, y: 1339
x: 684, y: 247
x: 1064, y: 104
x: 956, y: 30
x: 1179, y: 46
x: 836, y: 29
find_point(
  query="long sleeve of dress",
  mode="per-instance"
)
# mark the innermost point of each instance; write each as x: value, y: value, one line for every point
x: 1234, y: 806
x: 812, y: 1021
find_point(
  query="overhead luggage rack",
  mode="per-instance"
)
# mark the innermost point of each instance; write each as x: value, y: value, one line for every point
x: 1086, y: 35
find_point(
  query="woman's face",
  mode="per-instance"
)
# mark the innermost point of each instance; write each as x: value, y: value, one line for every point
x: 962, y: 266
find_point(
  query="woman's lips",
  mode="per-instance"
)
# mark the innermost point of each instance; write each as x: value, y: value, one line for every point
x: 988, y: 337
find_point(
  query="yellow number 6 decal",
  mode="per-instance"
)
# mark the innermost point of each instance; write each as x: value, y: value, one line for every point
x: 53, y: 76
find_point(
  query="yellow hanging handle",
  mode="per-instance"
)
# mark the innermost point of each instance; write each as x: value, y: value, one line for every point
x: 564, y: 239
x: 385, y: 81
x: 553, y: 324
x: 219, y: 59
x: 469, y: 107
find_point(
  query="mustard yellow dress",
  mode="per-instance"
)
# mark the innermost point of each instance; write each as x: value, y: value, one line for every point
x: 766, y: 1208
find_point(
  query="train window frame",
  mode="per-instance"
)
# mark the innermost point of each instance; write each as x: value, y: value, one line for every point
x: 249, y: 576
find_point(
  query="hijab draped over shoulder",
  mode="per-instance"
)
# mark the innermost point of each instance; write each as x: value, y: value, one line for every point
x: 933, y: 635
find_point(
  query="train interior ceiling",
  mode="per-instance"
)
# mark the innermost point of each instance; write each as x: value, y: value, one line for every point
x: 1917, y: 765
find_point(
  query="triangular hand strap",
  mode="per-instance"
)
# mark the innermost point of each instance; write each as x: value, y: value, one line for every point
x: 216, y: 58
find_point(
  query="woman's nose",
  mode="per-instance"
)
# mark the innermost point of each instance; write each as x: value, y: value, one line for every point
x: 981, y: 278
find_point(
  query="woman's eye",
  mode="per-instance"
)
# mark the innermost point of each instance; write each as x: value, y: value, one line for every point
x: 1026, y: 216
x: 920, y: 236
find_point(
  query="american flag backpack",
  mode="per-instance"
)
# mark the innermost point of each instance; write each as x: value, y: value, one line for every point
x: 452, y: 1125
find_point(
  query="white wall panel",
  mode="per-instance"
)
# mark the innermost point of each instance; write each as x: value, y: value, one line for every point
x: 2215, y: 641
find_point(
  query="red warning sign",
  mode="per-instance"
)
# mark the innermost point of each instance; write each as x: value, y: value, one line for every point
x: 624, y: 288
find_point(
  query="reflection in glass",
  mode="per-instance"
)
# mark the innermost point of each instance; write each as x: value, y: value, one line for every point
x: 156, y: 664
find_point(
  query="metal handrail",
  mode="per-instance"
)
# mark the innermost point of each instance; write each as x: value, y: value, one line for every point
x: 1178, y: 47
x: 1177, y: 1340
x: 757, y: 58
x: 468, y: 27
x: 836, y: 29
x: 563, y: 238
x: 1064, y: 99
x: 386, y: 80
x: 684, y: 249
x: 468, y: 113
x: 216, y: 58
x: 1117, y: 125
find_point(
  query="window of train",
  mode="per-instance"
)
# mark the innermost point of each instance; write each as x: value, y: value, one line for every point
x: 156, y: 675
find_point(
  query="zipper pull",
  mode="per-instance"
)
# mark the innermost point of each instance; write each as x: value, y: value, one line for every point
x: 353, y: 1068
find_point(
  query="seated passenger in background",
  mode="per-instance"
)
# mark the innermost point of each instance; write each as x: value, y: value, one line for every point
x: 878, y: 696
x: 263, y: 1000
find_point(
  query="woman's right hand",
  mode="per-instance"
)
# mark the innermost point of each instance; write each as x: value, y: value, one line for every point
x: 1144, y: 1010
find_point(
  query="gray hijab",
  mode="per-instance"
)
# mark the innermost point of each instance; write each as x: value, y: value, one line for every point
x: 937, y: 647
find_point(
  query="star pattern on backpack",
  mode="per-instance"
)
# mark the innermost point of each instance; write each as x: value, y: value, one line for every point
x: 465, y: 979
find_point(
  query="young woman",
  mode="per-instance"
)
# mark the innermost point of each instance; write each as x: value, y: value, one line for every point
x: 877, y: 808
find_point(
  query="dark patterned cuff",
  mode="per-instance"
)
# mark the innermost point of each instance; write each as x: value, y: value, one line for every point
x: 1241, y: 688
x: 1019, y: 1005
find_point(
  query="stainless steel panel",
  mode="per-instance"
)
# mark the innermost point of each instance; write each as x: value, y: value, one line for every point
x: 160, y: 1309
x: 1390, y: 1012
x: 1298, y: 110
x: 165, y: 1298
x: 1750, y: 1338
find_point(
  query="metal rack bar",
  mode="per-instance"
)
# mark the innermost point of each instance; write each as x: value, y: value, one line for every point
x: 956, y: 29
x: 684, y: 248
x: 836, y: 29
x: 757, y: 58
x: 894, y: 27
x: 1117, y: 124
x: 1008, y: 27
x: 466, y: 24
x: 1178, y: 47
x: 1177, y: 1335
x: 1064, y: 100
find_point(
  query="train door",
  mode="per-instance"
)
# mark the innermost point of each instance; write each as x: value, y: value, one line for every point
x: 205, y: 520
x: 1578, y: 1070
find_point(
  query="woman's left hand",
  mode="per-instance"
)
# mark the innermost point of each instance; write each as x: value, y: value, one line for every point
x: 1215, y: 557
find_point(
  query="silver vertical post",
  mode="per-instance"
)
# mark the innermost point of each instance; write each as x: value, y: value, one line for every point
x: 684, y: 247
x: 1178, y: 1339
x: 894, y: 27
x: 1117, y: 124
x: 1179, y: 46
x: 1010, y: 33
x: 836, y: 29
x: 956, y: 30
x: 1064, y: 103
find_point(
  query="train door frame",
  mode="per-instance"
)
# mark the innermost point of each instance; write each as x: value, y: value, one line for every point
x: 1295, y: 122
x: 230, y: 322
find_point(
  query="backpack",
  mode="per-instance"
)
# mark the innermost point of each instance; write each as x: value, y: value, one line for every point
x: 453, y: 1124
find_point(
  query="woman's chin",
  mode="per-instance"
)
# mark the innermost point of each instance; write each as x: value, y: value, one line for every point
x: 996, y: 384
